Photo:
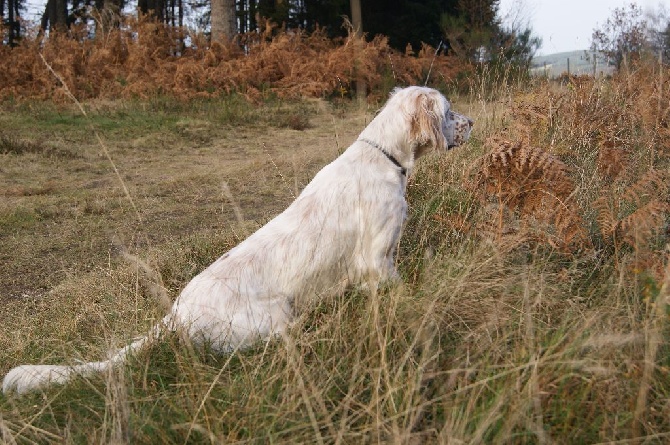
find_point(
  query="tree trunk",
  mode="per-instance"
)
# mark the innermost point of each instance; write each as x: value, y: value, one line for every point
x: 10, y: 20
x: 154, y: 7
x: 55, y: 15
x: 357, y: 17
x: 181, y: 13
x: 357, y: 22
x: 61, y: 16
x: 110, y: 14
x: 224, y: 21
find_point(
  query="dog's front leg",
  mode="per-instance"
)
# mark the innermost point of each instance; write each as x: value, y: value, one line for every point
x: 382, y: 272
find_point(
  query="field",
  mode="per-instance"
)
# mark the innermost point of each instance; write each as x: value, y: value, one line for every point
x: 534, y: 307
x: 553, y: 65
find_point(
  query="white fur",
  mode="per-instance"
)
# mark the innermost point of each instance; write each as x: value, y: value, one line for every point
x: 342, y: 229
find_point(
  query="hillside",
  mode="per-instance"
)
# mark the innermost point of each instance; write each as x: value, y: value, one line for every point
x: 556, y: 64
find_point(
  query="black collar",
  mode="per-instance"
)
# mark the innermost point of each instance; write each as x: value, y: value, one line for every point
x: 403, y: 170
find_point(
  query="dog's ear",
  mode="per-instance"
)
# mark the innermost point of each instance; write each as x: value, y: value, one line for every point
x: 427, y: 122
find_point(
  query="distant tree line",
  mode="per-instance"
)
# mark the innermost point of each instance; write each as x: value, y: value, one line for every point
x: 469, y: 28
x: 10, y: 11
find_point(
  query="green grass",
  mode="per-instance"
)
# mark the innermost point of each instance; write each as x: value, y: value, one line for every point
x: 487, y: 341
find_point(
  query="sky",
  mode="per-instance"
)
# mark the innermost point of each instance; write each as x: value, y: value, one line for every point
x: 567, y: 25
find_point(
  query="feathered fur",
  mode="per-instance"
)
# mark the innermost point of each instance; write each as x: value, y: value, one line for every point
x: 342, y: 229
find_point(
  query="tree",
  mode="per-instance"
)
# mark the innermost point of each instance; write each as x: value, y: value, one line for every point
x: 224, y: 21
x: 152, y: 7
x: 357, y: 23
x: 327, y: 14
x: 246, y: 12
x: 622, y: 37
x: 277, y: 11
x: 471, y: 27
x: 476, y: 33
x: 12, y: 8
x: 664, y: 43
x: 516, y: 47
x: 55, y: 16
x: 108, y: 11
x: 407, y: 21
x: 658, y: 32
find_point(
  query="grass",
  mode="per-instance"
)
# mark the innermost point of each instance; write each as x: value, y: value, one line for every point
x: 496, y: 336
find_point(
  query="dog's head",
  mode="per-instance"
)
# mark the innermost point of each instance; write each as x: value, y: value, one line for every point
x: 432, y: 123
x: 458, y: 129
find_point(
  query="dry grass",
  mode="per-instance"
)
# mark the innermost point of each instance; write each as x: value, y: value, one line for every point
x: 512, y: 326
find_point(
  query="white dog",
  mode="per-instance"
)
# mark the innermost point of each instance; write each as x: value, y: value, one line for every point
x: 342, y: 229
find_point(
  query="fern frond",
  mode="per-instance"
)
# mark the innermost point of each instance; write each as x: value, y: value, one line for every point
x: 606, y: 216
x: 612, y: 160
x: 653, y: 184
x: 641, y: 225
x: 535, y: 186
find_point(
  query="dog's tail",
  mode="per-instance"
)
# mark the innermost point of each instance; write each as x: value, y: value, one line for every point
x: 26, y: 378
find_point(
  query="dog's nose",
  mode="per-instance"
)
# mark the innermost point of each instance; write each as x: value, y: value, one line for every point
x: 471, y: 123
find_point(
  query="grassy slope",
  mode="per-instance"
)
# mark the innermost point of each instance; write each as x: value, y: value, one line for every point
x: 553, y: 65
x: 491, y: 339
